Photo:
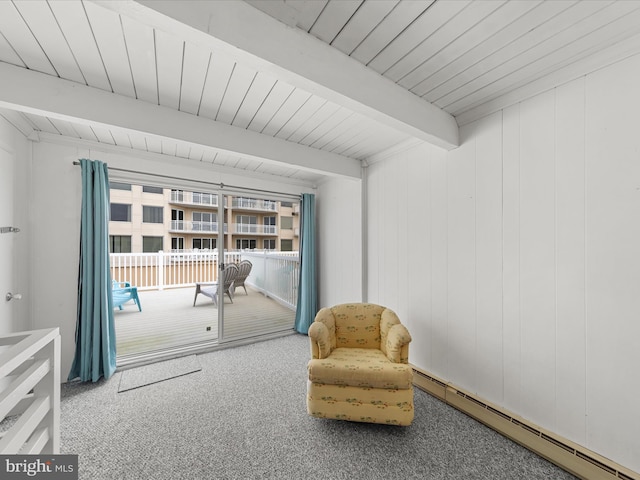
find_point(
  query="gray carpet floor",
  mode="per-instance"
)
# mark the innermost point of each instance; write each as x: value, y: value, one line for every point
x: 158, y: 372
x: 243, y: 416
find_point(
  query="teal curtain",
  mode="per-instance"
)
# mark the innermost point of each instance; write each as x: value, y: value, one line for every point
x: 307, y: 287
x: 95, y: 354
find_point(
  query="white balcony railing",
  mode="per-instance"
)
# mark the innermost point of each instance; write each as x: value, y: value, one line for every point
x: 30, y: 391
x: 254, y: 204
x: 274, y: 273
x: 194, y: 198
x: 195, y: 226
x: 247, y: 228
x: 188, y: 226
x: 151, y: 271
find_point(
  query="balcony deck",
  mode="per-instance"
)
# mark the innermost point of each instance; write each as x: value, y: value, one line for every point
x: 169, y: 321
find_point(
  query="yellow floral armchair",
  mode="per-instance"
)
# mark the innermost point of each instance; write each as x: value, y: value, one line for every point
x: 359, y: 367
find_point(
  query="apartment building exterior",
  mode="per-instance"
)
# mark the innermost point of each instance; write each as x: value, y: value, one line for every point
x: 147, y: 219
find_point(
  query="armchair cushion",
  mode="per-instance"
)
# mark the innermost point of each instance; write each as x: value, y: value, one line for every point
x: 360, y: 367
x: 357, y: 325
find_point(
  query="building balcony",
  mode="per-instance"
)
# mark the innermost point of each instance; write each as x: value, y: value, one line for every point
x: 254, y: 229
x: 187, y: 226
x: 169, y: 321
x: 205, y: 200
x: 210, y: 200
x: 185, y: 268
x: 174, y: 318
x: 254, y: 204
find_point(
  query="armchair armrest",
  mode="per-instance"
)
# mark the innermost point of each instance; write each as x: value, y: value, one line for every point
x: 398, y: 340
x: 320, y: 340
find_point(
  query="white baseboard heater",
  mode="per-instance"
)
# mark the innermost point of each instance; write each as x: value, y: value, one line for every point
x: 568, y: 455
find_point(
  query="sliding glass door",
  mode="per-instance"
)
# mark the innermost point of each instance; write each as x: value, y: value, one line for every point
x: 178, y: 258
x: 261, y: 301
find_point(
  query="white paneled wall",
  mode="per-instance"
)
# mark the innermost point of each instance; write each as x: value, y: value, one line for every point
x: 612, y: 209
x: 570, y: 259
x: 14, y: 260
x: 339, y: 246
x: 538, y: 292
x: 515, y: 259
x: 488, y: 256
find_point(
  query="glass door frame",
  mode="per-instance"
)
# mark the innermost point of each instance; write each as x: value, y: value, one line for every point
x: 221, y: 265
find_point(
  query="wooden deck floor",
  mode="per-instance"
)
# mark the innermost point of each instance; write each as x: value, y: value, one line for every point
x: 170, y: 321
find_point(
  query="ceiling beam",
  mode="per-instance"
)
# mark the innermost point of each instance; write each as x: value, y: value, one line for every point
x: 250, y: 36
x: 42, y: 94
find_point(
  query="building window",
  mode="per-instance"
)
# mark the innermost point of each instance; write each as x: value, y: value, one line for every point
x: 269, y: 244
x: 177, y: 243
x: 204, y: 243
x: 245, y: 243
x: 286, y: 223
x: 177, y: 219
x: 120, y: 212
x: 119, y: 186
x: 151, y: 244
x: 119, y: 243
x: 286, y: 204
x: 270, y: 225
x: 286, y: 245
x: 152, y: 214
x: 177, y: 196
x: 149, y: 189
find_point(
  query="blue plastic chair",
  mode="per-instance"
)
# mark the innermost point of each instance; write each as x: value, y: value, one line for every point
x: 122, y: 292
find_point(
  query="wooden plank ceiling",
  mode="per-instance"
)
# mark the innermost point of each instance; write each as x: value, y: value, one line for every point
x: 468, y: 58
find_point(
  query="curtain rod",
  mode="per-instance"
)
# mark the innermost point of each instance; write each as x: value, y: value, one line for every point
x: 218, y: 185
